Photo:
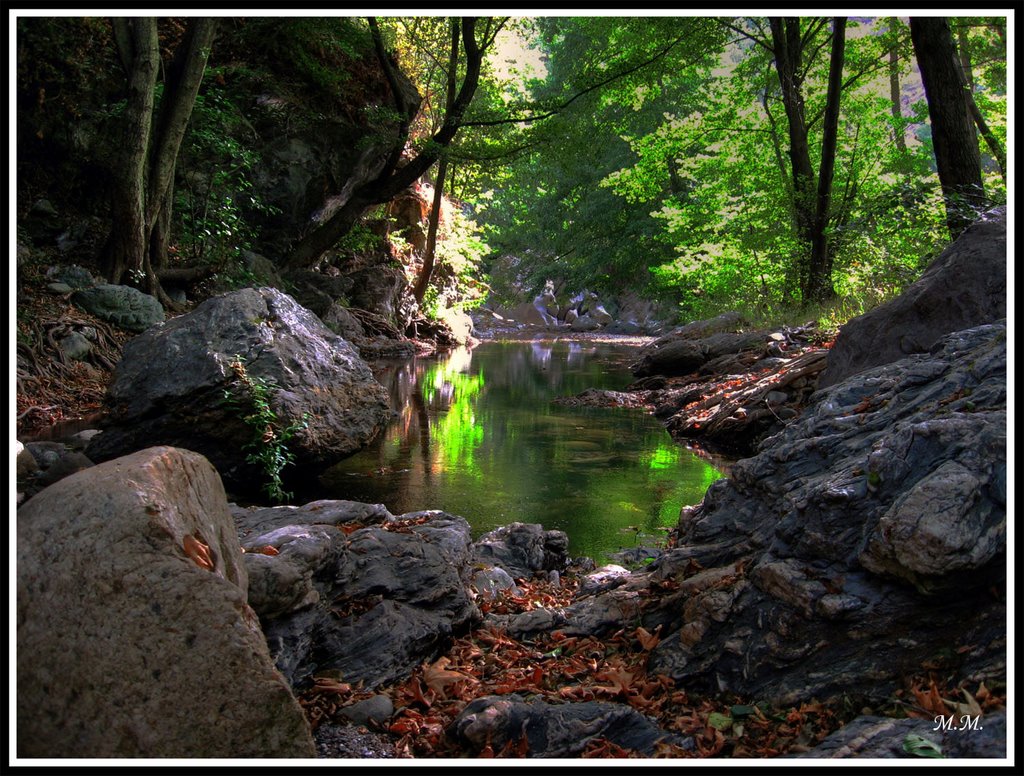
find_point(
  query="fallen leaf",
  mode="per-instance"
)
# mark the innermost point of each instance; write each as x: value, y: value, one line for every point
x: 921, y: 747
x: 648, y: 640
x: 198, y: 551
x: 438, y: 677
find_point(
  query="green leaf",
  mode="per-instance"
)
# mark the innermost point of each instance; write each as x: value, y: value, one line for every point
x: 720, y: 721
x: 921, y: 747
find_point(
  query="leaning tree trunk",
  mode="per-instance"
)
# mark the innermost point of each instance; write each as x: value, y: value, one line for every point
x: 394, y: 180
x: 953, y: 135
x: 185, y: 75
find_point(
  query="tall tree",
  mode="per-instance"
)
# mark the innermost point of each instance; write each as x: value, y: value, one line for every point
x: 953, y: 134
x: 791, y: 47
x: 148, y: 146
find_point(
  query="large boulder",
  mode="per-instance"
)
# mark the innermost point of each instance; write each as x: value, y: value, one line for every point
x: 134, y: 638
x: 171, y: 383
x: 864, y: 539
x: 964, y: 287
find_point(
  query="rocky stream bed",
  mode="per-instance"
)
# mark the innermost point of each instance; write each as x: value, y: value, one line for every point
x: 845, y: 586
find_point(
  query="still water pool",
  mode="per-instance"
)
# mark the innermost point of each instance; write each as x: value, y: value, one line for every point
x: 475, y: 434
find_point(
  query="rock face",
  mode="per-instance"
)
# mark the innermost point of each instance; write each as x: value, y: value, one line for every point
x: 169, y: 387
x: 859, y: 542
x: 964, y: 287
x: 133, y: 632
x: 866, y: 538
x: 348, y: 588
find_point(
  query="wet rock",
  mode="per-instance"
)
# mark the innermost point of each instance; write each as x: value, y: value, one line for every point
x: 964, y: 287
x: 556, y: 730
x: 134, y: 637
x: 170, y: 386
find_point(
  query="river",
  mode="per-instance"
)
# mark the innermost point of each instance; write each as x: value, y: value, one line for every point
x: 475, y: 433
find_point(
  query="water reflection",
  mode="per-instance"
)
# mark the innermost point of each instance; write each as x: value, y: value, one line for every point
x: 475, y: 433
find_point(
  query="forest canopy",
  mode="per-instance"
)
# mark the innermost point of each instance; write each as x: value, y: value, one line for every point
x: 706, y: 162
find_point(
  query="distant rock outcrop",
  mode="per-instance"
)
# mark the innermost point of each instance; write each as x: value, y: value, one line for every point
x: 964, y: 287
x: 134, y: 638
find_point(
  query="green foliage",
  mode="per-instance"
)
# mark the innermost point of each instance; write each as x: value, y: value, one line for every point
x: 216, y: 203
x: 250, y: 396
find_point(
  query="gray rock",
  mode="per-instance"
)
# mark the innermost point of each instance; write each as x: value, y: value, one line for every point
x: 875, y: 515
x: 687, y: 350
x: 886, y: 738
x: 170, y: 384
x: 522, y: 549
x: 585, y: 323
x: 253, y: 521
x: 964, y: 287
x: 343, y: 323
x: 556, y: 730
x: 75, y: 276
x: 75, y: 346
x: 123, y: 306
x: 376, y: 710
x: 133, y: 633
x: 371, y: 603
x: 490, y: 581
x: 25, y: 464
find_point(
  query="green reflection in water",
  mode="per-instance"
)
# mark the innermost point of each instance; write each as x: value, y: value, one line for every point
x: 497, y: 451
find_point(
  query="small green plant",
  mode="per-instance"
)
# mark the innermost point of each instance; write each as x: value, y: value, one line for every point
x: 269, y: 444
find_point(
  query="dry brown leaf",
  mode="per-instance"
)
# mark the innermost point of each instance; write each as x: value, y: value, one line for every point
x: 438, y: 678
x: 648, y: 640
x: 198, y: 551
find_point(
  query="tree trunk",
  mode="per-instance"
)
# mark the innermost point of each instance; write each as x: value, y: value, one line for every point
x: 137, y: 43
x: 787, y: 45
x: 423, y: 281
x: 185, y: 75
x: 953, y: 134
x: 144, y: 176
x: 898, y: 130
x: 994, y: 146
x: 819, y: 282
